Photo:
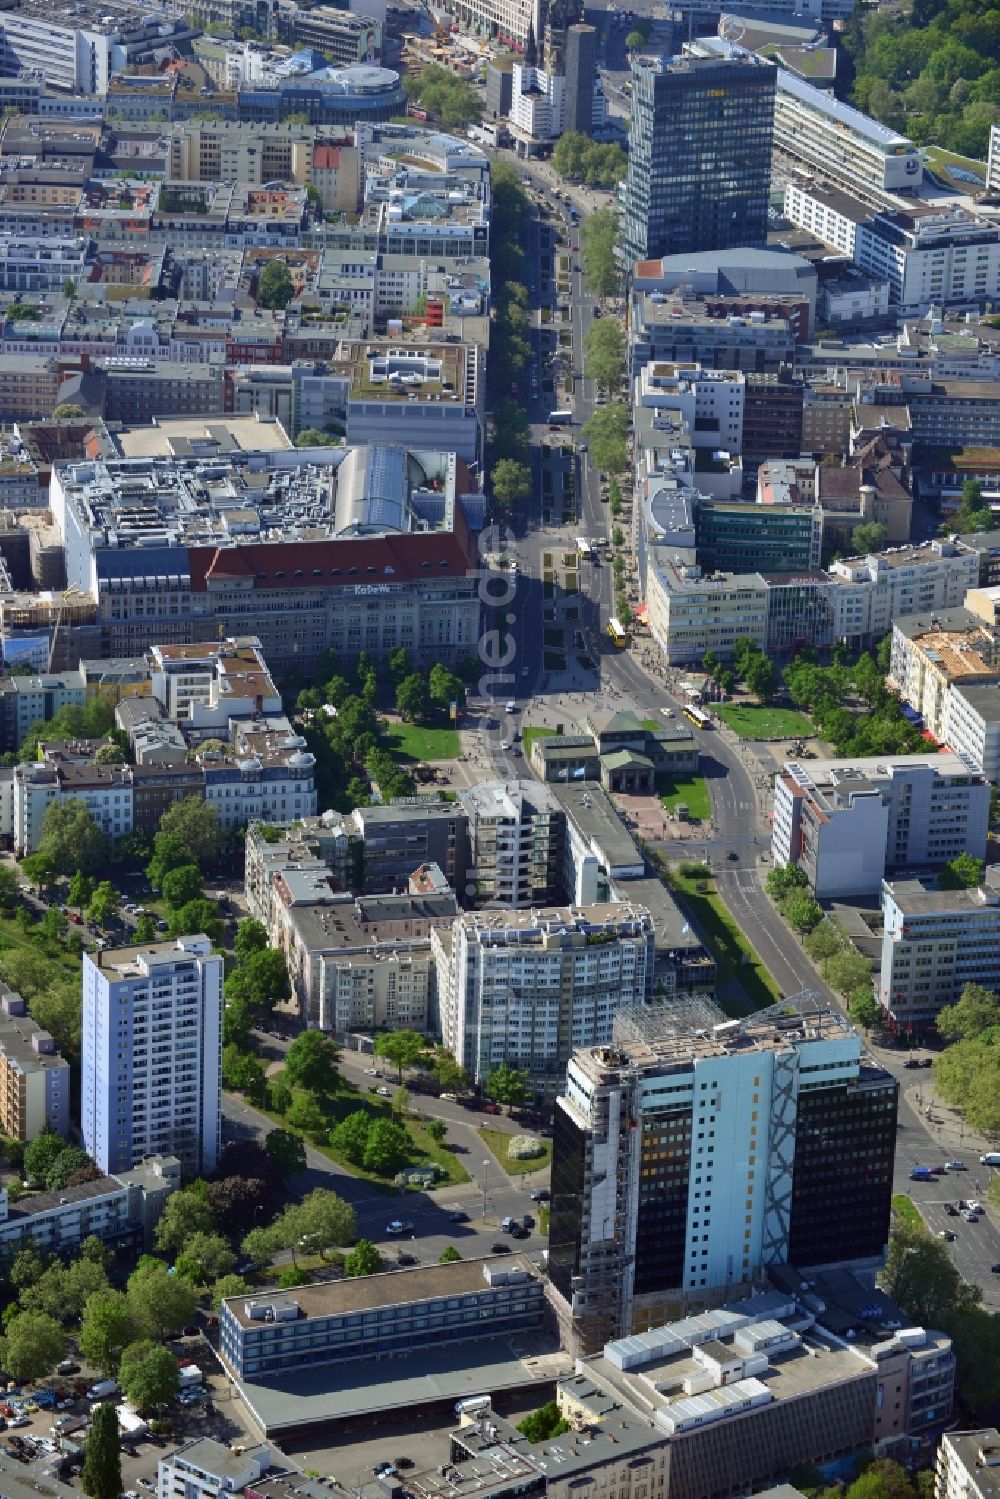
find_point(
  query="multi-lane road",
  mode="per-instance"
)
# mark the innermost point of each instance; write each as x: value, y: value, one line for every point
x: 730, y: 769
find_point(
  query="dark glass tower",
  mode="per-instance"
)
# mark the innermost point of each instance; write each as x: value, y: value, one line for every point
x: 845, y: 1140
x: 581, y: 72
x: 699, y: 166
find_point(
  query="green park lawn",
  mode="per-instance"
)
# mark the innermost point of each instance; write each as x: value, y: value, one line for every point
x: 753, y: 721
x: 735, y: 958
x: 693, y: 792
x: 906, y: 1211
x: 498, y: 1141
x: 415, y: 741
x: 13, y: 936
x: 347, y: 1099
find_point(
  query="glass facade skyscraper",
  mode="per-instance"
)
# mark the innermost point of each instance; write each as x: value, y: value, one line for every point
x: 696, y: 1152
x: 699, y: 156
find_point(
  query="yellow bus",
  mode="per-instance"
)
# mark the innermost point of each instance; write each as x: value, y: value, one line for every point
x: 618, y: 633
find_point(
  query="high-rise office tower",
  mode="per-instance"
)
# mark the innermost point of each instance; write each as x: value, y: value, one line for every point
x: 695, y: 1151
x: 699, y: 164
x: 581, y: 72
x: 152, y: 1054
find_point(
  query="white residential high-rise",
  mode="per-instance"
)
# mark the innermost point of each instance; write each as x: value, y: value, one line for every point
x: 529, y: 987
x: 152, y: 1054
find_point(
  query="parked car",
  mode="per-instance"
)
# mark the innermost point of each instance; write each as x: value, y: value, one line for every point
x: 955, y: 1166
x: 397, y: 1226
x: 406, y: 1259
x: 540, y: 1194
x: 951, y: 1210
x: 938, y: 1170
x: 911, y: 1062
x: 519, y: 1232
x: 499, y: 1247
x: 67, y: 1367
x: 970, y: 1216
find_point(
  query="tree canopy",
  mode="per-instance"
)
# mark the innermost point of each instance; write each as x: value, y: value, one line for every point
x: 607, y: 431
x: 195, y: 824
x: 449, y: 98
x: 275, y: 288
x: 604, y: 350
x: 147, y: 1375
x: 311, y: 1062
x: 579, y: 158
x: 101, y: 1476
x: 71, y: 838
x: 598, y: 234
x: 404, y: 1048
x: 934, y: 73
x: 977, y: 1010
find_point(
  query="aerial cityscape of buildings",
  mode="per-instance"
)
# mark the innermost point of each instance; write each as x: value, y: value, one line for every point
x: 499, y: 753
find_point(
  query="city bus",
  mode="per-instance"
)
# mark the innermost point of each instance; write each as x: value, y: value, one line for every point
x: 697, y: 716
x: 618, y: 633
x: 560, y: 418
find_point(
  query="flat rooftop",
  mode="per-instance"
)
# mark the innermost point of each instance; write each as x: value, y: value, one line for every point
x: 983, y: 698
x: 333, y: 925
x: 671, y: 929
x: 391, y: 1288
x: 689, y: 1028
x: 337, y: 1394
x: 209, y: 1456
x: 228, y: 497
x: 979, y: 1451
x: 875, y: 768
x: 919, y: 898
x: 592, y: 813
x: 555, y: 921
x: 182, y: 437
x: 136, y: 962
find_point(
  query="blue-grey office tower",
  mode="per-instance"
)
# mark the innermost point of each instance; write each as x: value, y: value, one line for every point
x: 699, y: 166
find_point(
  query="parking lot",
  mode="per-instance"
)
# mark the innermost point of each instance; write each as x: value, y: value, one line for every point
x: 29, y: 1437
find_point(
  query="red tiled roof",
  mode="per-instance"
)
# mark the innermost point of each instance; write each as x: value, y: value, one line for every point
x: 370, y: 559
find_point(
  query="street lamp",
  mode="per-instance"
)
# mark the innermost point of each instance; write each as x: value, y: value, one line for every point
x: 486, y: 1168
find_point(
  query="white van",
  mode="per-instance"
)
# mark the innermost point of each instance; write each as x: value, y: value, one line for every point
x: 991, y: 1158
